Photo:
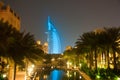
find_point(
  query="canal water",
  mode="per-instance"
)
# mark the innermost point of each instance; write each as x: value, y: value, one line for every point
x: 57, y: 74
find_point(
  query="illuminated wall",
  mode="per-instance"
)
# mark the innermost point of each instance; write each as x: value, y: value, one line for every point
x: 54, y: 45
x: 7, y: 14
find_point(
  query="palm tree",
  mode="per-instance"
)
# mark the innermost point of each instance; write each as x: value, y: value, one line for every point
x: 89, y: 41
x: 83, y: 51
x: 5, y: 33
x: 16, y: 45
x: 71, y: 56
x: 102, y: 42
x: 113, y: 37
x: 23, y: 46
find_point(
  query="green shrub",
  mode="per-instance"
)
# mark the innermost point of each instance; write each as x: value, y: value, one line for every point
x: 101, y: 74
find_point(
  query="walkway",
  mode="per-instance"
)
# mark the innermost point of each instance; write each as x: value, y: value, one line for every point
x: 84, y: 75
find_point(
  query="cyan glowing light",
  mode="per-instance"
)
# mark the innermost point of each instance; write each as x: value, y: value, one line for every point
x: 56, y: 75
x: 54, y: 45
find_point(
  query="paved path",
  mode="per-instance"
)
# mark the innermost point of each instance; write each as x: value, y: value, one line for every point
x: 84, y: 75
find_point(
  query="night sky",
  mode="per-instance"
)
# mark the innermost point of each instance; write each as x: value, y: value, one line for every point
x: 71, y: 17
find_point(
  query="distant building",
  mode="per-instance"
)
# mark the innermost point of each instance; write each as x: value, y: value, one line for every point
x: 99, y: 30
x: 68, y: 48
x: 54, y: 44
x: 8, y: 15
x: 43, y: 47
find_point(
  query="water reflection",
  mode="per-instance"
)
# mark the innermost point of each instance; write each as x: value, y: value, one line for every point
x: 56, y: 75
x: 60, y: 75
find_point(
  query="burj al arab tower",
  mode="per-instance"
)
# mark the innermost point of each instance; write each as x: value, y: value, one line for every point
x: 54, y: 45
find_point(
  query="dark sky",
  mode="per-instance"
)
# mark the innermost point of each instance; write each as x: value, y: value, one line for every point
x: 71, y: 17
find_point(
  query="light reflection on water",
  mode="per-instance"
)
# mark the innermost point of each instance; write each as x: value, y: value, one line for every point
x: 60, y: 75
x: 56, y: 75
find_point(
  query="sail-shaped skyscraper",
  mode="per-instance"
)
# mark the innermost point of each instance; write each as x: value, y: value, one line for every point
x: 54, y: 45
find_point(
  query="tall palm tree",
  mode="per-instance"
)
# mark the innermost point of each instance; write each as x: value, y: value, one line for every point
x: 84, y: 49
x: 90, y: 41
x: 16, y: 45
x: 23, y: 46
x: 114, y: 36
x: 106, y: 41
x: 104, y: 44
x: 5, y: 33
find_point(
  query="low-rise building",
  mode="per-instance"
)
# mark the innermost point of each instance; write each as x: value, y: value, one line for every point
x: 8, y: 15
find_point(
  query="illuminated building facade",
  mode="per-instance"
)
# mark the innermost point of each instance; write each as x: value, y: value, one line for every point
x: 54, y: 46
x: 43, y: 47
x: 8, y: 15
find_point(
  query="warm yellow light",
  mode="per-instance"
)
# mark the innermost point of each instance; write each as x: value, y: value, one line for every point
x: 30, y: 69
x: 45, y: 44
x: 4, y: 75
x: 33, y: 66
x: 118, y: 78
x: 52, y: 67
x: 53, y: 59
x: 68, y: 65
x: 80, y: 77
x: 74, y: 66
x: 80, y: 65
x: 68, y: 73
x: 45, y: 76
x: 38, y: 42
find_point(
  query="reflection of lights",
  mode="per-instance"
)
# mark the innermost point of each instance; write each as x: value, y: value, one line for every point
x: 80, y: 65
x: 68, y: 64
x: 74, y: 73
x: 68, y: 73
x: 45, y: 76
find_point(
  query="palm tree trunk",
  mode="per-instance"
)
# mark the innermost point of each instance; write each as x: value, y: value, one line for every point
x: 14, y: 73
x: 114, y: 57
x: 95, y: 59
x: 91, y: 59
x: 108, y: 63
